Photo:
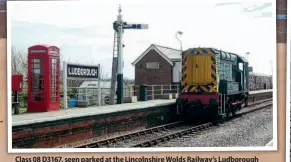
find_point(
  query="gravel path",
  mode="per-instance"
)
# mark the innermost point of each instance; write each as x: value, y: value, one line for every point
x: 254, y: 129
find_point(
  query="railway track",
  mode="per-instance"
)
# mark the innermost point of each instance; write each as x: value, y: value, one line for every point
x: 114, y: 140
x: 153, y: 136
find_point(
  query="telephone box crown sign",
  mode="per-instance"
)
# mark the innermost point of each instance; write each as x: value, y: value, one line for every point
x: 43, y: 49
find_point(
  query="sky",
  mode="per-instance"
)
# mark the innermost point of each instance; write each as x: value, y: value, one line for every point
x: 84, y: 31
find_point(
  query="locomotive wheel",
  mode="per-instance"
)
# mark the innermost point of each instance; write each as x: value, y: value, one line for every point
x: 234, y: 113
x: 222, y: 119
x: 228, y: 115
x: 228, y: 112
x: 215, y: 122
x: 215, y: 118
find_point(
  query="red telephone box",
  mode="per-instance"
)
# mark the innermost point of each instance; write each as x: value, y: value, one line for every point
x: 43, y: 78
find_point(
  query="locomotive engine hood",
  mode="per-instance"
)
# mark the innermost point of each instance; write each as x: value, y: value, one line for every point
x: 204, y: 69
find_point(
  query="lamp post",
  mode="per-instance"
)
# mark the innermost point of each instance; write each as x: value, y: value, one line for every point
x: 180, y: 73
x: 247, y: 56
x: 179, y: 33
x: 181, y: 48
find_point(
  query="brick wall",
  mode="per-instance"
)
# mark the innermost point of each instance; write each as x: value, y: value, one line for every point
x: 160, y: 76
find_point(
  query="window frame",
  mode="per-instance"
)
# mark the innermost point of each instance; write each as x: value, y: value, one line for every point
x: 152, y: 67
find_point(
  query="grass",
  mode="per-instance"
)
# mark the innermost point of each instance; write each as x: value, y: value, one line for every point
x: 21, y: 110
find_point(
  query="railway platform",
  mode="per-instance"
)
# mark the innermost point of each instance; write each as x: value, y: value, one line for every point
x: 51, y: 129
x: 33, y: 118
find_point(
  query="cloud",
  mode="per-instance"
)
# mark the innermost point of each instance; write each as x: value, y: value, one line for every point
x: 225, y: 4
x: 257, y: 7
x: 93, y: 31
x: 265, y: 14
x: 43, y: 33
x: 259, y: 10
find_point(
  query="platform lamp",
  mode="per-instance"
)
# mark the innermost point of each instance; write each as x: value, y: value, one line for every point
x: 179, y: 33
x: 181, y: 48
x: 247, y: 57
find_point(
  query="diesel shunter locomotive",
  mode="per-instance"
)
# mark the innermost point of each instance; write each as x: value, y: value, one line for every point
x: 214, y: 84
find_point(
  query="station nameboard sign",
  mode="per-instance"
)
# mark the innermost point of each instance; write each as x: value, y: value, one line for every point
x: 82, y: 71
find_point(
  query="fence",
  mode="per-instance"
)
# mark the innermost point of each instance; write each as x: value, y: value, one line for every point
x: 89, y: 96
x: 77, y: 94
x: 157, y: 91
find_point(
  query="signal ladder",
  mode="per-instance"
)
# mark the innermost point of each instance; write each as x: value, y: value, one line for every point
x: 114, y: 69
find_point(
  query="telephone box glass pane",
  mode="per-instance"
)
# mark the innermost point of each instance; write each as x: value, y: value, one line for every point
x: 37, y: 80
x: 36, y: 71
x: 54, y: 85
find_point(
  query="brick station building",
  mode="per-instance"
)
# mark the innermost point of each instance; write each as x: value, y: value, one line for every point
x: 159, y: 66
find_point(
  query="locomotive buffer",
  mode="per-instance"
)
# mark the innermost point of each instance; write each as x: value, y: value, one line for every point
x: 117, y: 61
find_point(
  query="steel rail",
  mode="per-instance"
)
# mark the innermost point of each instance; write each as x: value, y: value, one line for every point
x: 192, y: 130
x: 130, y: 135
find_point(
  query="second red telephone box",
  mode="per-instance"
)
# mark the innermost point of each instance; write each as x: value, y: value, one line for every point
x: 43, y: 78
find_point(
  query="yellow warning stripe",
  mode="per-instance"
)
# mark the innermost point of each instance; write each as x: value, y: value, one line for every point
x: 184, y: 73
x: 185, y: 88
x: 193, y: 89
x: 204, y: 88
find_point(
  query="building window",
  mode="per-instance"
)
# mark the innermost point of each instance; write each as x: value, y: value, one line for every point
x: 152, y: 65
